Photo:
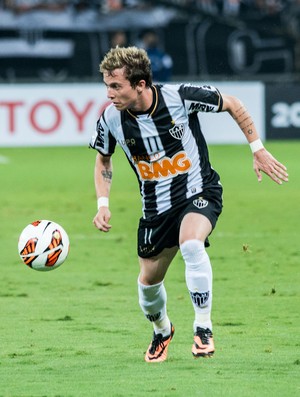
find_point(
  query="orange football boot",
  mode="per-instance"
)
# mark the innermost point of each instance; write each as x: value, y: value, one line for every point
x: 203, y: 343
x: 158, y: 348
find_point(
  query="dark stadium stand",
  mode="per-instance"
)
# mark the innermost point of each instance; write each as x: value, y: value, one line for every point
x: 64, y: 40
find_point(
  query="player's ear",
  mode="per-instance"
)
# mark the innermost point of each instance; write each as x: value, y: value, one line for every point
x: 140, y: 86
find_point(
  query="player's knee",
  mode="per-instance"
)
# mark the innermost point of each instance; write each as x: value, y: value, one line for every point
x: 193, y: 252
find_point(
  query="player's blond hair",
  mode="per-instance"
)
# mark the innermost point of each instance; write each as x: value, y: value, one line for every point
x: 135, y: 61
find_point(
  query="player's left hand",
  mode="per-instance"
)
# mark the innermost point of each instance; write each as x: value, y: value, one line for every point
x: 263, y: 161
x: 102, y: 218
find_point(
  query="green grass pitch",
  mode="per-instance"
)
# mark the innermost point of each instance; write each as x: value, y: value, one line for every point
x: 78, y: 331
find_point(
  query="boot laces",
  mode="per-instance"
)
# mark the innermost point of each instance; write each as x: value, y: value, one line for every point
x: 204, y: 335
x: 156, y: 342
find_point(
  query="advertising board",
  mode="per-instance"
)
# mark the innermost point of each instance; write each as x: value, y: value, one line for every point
x: 283, y: 111
x: 66, y: 114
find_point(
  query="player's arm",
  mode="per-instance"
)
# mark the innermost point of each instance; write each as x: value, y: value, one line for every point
x: 263, y: 161
x: 103, y: 179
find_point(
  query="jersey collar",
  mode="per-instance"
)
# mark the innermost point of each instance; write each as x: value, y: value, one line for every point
x: 149, y: 112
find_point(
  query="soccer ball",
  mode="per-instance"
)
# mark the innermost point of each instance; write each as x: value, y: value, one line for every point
x: 43, y: 245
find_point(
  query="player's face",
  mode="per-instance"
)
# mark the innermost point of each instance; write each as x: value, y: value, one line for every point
x: 120, y: 92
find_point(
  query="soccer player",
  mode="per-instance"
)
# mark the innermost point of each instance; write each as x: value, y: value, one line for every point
x: 158, y: 128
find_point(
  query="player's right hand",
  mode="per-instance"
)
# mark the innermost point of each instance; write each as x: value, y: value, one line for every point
x: 263, y: 161
x: 102, y: 218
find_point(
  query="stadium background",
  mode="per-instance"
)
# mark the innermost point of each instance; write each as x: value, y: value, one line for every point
x: 78, y: 331
x: 50, y: 87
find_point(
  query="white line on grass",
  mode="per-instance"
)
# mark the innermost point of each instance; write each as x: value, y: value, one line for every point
x: 4, y: 160
x: 96, y: 236
x: 244, y: 235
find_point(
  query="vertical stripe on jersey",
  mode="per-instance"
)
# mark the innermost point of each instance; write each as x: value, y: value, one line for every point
x: 163, y: 121
x: 154, y: 144
x: 148, y: 191
x: 209, y: 175
x: 191, y: 182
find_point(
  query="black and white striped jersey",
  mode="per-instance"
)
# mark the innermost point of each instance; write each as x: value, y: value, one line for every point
x: 165, y: 147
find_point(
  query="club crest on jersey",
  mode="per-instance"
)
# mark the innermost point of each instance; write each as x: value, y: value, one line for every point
x: 200, y: 203
x: 177, y: 131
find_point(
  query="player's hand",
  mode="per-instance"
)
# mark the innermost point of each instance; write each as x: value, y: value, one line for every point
x: 263, y: 161
x: 102, y: 218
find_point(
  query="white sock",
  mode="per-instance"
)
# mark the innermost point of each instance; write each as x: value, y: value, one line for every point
x: 153, y: 302
x: 198, y: 274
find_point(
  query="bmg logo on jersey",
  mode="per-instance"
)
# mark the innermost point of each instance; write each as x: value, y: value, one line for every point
x: 165, y: 167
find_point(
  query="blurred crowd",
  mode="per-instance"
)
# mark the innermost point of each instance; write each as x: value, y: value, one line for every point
x: 150, y: 40
x: 91, y: 11
x: 66, y: 30
x: 90, y: 15
x: 35, y: 22
x: 212, y: 7
x: 238, y: 7
x: 102, y: 6
x: 110, y: 15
